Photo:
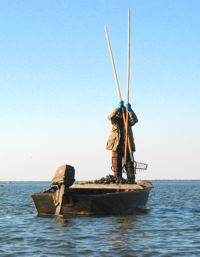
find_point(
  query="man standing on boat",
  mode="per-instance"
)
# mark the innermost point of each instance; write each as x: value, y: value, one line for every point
x: 116, y: 141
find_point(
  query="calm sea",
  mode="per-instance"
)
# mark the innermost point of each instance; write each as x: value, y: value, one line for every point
x: 170, y: 226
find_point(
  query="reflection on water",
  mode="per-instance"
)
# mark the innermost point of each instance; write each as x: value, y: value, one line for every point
x: 170, y: 226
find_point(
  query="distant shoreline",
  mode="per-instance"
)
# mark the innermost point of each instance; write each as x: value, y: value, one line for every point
x: 34, y: 181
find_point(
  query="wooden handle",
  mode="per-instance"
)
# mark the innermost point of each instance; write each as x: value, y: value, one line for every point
x: 128, y: 75
x: 129, y: 143
x: 120, y: 98
x: 128, y: 69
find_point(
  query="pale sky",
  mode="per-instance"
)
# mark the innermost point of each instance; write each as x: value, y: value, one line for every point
x: 57, y: 86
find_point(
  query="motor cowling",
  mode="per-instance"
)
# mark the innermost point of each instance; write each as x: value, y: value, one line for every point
x: 64, y: 175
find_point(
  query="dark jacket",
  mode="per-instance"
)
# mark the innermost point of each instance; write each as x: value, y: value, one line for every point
x: 117, y: 130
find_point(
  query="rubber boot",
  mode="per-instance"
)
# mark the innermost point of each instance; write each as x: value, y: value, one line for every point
x: 130, y: 170
x: 117, y: 164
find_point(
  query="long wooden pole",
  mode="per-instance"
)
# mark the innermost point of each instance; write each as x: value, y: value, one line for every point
x: 128, y: 76
x: 113, y: 64
x: 120, y: 98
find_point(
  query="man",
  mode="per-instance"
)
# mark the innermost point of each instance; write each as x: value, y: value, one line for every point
x: 116, y: 141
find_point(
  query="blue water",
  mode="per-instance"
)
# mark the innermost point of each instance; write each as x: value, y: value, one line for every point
x: 170, y: 226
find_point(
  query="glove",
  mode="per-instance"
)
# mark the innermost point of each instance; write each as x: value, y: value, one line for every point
x: 128, y: 106
x: 121, y: 103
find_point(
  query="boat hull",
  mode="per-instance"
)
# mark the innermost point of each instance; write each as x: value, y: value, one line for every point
x: 124, y: 202
x: 88, y: 202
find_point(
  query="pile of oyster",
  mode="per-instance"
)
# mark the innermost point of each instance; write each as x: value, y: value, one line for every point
x: 113, y: 180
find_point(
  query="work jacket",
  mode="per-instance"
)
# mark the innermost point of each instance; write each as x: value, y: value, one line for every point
x: 118, y: 130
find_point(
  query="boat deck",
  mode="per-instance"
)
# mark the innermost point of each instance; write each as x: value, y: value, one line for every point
x: 87, y: 185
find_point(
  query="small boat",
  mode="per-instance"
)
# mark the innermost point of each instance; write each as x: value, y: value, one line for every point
x: 88, y: 198
x: 112, y: 195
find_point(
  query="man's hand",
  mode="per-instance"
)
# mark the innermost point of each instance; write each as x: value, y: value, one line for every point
x: 128, y: 106
x: 121, y: 103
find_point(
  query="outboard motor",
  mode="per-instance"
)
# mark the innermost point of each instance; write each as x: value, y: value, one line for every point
x: 63, y: 178
x: 64, y: 175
